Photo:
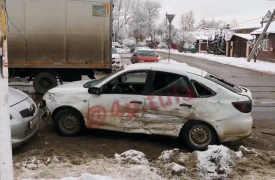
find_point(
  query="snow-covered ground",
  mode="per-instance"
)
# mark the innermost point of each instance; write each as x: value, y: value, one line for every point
x: 260, y: 66
x: 218, y: 162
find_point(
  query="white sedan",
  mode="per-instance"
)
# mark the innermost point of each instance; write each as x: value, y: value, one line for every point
x: 155, y: 98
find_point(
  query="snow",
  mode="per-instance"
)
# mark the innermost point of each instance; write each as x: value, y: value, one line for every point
x: 260, y: 66
x: 245, y: 36
x: 172, y: 62
x: 177, y: 169
x: 248, y: 26
x: 84, y: 176
x: 215, y: 162
x: 167, y: 156
x: 98, y: 169
x: 271, y: 29
x: 132, y: 157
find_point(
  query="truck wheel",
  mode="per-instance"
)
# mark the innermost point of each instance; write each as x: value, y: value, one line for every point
x: 43, y: 82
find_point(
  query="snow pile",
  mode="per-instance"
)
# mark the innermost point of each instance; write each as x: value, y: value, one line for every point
x: 172, y: 62
x: 169, y: 155
x: 260, y: 66
x: 177, y: 169
x: 216, y: 162
x: 103, y: 167
x: 132, y: 157
x: 34, y: 163
x: 243, y: 151
x: 84, y: 176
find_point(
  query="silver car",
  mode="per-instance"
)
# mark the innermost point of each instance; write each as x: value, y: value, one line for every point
x: 24, y: 116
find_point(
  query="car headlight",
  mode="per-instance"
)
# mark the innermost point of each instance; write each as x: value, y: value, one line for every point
x: 46, y: 96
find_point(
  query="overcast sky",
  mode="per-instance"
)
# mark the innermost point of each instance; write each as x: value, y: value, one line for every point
x: 226, y: 10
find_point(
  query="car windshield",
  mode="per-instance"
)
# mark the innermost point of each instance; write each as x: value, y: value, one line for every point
x: 145, y: 53
x: 114, y: 51
x: 95, y: 82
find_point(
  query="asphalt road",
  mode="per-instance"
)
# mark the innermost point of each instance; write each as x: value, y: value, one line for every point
x: 261, y: 85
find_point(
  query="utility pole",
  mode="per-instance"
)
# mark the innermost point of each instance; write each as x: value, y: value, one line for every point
x: 261, y: 37
x: 170, y: 18
x: 154, y: 39
x: 6, y: 166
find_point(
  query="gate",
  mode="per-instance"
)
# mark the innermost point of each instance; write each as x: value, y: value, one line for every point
x: 239, y: 49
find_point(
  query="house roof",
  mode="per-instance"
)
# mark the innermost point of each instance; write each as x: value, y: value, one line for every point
x: 244, y: 36
x: 271, y: 29
x: 249, y: 26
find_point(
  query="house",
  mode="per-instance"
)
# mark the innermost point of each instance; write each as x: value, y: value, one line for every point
x: 203, y: 36
x: 238, y: 45
x: 267, y: 52
x: 247, y: 29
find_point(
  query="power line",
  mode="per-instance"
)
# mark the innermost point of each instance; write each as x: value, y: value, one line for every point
x: 250, y: 20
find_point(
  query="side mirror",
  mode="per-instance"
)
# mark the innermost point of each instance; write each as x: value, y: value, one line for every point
x: 94, y: 90
x: 157, y: 55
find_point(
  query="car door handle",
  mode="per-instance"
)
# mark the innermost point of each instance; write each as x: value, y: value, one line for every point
x: 136, y: 102
x: 187, y: 105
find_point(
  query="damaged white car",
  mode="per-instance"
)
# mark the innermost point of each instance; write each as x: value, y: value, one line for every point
x: 154, y: 98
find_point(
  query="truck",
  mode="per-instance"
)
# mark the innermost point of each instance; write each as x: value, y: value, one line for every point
x: 56, y: 40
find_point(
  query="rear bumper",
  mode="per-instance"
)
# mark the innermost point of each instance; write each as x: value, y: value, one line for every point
x: 234, y: 129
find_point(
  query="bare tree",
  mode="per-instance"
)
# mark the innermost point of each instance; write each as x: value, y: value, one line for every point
x: 124, y: 11
x: 234, y: 23
x: 187, y: 21
x: 144, y: 21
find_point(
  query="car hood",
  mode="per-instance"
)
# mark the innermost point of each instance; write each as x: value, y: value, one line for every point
x: 70, y: 87
x: 145, y: 58
x: 16, y: 96
x: 115, y: 56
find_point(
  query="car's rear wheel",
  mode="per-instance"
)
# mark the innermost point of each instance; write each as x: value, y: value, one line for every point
x: 68, y: 122
x: 198, y: 135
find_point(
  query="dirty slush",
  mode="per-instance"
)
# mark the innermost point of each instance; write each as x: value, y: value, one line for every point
x: 98, y: 114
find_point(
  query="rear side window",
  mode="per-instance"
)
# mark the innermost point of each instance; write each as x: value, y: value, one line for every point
x: 224, y: 83
x: 202, y: 90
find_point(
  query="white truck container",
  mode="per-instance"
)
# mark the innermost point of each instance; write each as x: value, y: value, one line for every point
x: 50, y: 40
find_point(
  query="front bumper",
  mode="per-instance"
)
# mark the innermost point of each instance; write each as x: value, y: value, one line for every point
x: 28, y: 134
x: 45, y: 113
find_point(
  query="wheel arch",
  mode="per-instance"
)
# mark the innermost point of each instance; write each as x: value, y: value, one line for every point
x: 68, y: 107
x: 203, y: 122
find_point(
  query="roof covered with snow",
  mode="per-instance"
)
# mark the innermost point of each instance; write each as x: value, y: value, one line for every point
x: 271, y: 29
x: 244, y: 36
x: 248, y: 26
x: 204, y: 34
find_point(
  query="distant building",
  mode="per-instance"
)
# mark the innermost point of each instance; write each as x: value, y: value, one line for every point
x: 267, y: 52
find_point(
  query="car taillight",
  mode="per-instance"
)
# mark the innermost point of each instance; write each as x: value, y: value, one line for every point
x: 243, y: 106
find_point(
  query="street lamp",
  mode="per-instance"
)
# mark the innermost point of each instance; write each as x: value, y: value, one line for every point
x: 170, y: 18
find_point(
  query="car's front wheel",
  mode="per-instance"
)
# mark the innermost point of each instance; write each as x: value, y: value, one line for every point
x: 68, y: 122
x: 198, y: 135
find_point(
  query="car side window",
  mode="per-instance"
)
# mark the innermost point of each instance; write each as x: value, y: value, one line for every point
x: 169, y: 84
x: 202, y: 90
x: 129, y: 83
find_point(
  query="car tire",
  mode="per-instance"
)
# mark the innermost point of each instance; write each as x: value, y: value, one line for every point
x: 75, y: 119
x: 193, y: 129
x: 43, y: 82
